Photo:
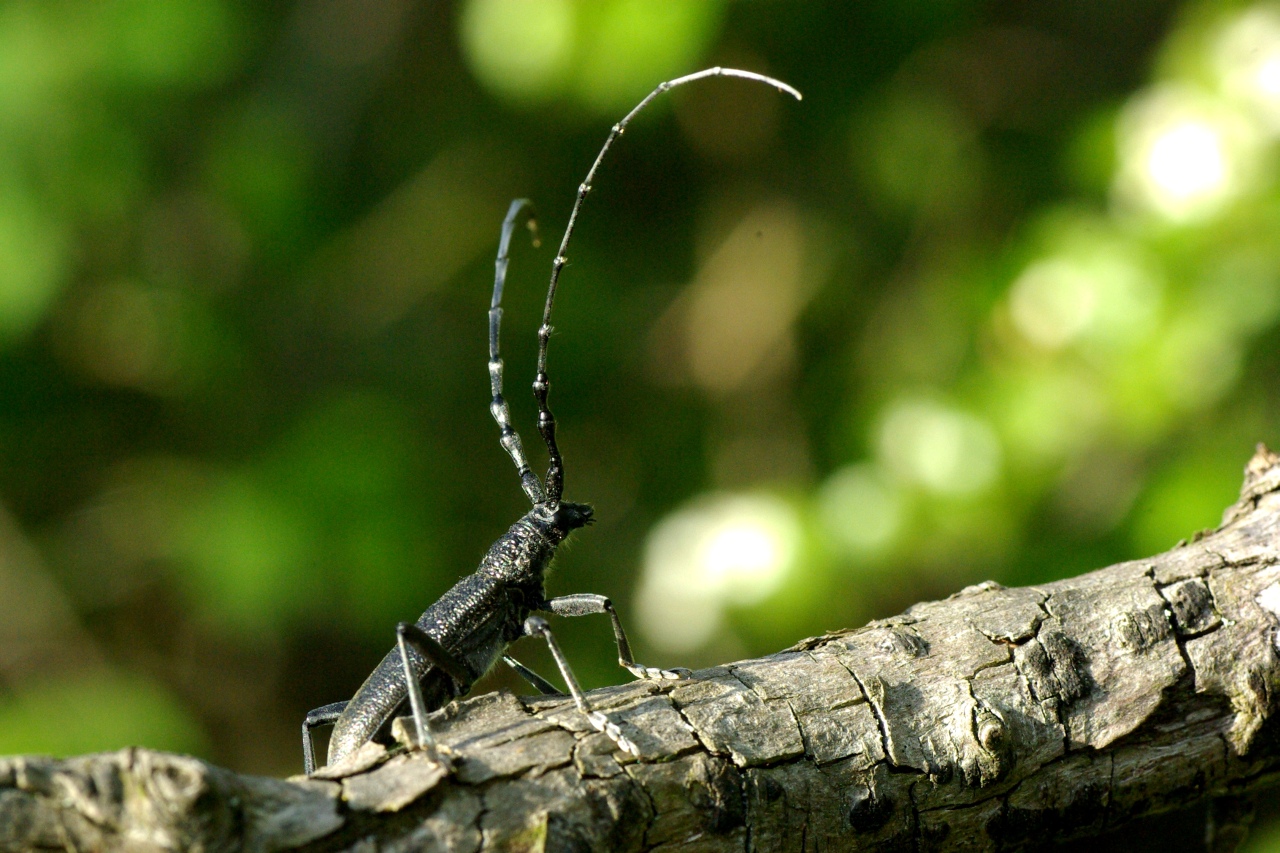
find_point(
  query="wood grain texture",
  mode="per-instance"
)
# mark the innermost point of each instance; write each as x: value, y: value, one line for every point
x: 996, y: 719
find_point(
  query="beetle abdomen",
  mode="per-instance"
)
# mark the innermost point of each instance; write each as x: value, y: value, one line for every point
x: 486, y: 607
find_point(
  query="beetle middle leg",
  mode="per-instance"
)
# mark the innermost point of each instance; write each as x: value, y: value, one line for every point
x: 539, y: 683
x: 588, y: 604
x: 536, y: 626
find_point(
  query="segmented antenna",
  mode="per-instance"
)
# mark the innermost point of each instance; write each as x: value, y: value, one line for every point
x: 498, y: 406
x: 541, y: 384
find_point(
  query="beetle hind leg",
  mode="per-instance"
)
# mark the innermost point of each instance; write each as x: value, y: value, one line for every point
x: 322, y: 716
x: 409, y: 634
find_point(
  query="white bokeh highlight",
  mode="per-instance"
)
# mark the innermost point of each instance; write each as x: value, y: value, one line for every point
x: 1184, y: 154
x: 719, y: 551
x: 1246, y: 58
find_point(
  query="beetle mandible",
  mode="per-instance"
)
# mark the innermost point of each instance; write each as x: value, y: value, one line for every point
x: 463, y: 634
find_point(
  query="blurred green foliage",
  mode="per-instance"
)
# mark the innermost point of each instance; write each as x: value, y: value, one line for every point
x: 997, y: 300
x: 77, y: 715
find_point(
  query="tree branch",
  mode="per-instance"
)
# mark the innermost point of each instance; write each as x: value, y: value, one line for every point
x: 996, y: 719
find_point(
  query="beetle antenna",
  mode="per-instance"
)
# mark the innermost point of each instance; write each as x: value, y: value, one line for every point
x: 498, y: 407
x: 541, y: 385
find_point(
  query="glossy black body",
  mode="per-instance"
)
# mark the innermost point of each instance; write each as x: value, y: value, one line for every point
x: 475, y: 620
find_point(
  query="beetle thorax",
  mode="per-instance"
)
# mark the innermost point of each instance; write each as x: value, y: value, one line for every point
x: 522, y: 555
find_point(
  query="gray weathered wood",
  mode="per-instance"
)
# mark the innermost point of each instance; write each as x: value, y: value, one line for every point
x: 994, y: 720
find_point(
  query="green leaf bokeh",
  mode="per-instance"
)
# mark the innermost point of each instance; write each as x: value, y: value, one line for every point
x: 997, y: 300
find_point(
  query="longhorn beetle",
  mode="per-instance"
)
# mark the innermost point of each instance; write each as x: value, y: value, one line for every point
x: 463, y: 634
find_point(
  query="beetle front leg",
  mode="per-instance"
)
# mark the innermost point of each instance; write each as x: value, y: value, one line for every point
x: 588, y: 604
x: 536, y: 626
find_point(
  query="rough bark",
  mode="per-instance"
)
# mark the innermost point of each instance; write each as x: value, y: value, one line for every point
x: 996, y: 719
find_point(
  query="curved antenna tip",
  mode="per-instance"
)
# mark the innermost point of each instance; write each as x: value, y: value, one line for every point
x: 554, y: 481
x: 745, y: 75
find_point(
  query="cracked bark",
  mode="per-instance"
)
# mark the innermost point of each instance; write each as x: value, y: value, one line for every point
x: 997, y: 719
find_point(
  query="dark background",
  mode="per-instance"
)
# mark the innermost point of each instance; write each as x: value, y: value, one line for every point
x: 997, y: 300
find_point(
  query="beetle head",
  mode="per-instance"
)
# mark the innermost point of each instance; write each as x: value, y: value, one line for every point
x: 557, y: 520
